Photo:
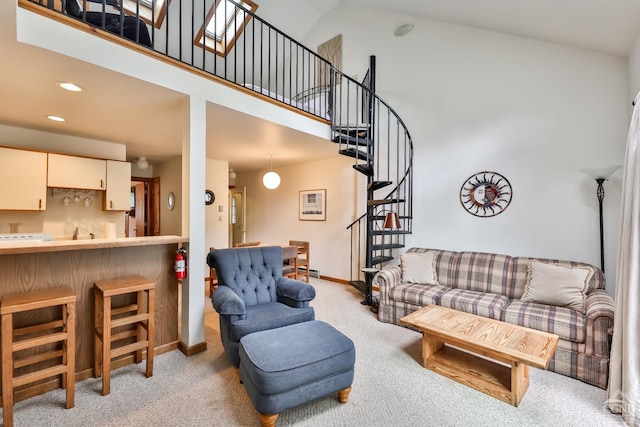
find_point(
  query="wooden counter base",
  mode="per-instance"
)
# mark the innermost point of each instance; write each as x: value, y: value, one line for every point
x: 79, y: 266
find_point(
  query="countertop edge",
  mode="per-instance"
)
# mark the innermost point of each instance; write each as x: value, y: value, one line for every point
x: 76, y: 245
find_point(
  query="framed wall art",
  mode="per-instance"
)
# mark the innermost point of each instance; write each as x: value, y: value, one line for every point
x: 313, y: 205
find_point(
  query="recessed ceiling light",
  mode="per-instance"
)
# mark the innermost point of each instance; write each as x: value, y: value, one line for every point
x: 56, y: 118
x: 70, y: 86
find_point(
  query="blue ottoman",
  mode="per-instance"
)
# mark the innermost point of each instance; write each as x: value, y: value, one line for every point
x: 286, y: 367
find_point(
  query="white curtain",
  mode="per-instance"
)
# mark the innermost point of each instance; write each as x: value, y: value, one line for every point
x: 624, y: 370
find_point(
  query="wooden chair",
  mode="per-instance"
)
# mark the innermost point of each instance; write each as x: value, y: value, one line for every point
x: 36, y: 336
x: 290, y: 262
x: 246, y: 244
x: 302, y: 260
x: 134, y: 315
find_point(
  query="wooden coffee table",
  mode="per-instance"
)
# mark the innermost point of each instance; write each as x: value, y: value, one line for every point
x: 516, y: 347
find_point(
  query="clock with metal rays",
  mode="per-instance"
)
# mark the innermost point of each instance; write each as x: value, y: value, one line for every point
x: 486, y: 194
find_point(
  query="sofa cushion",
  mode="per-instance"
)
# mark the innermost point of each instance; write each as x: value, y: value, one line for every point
x: 417, y: 294
x: 568, y: 324
x: 418, y: 268
x: 484, y: 272
x: 557, y: 285
x: 480, y: 303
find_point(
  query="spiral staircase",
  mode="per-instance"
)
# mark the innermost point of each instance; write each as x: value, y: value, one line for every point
x: 265, y: 60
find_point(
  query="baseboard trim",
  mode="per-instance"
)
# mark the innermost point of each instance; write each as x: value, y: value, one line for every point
x: 345, y: 282
x: 194, y: 349
x: 335, y: 279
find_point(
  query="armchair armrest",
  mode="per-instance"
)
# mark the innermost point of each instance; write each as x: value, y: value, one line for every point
x: 386, y: 279
x: 226, y: 302
x: 599, y: 312
x: 294, y: 293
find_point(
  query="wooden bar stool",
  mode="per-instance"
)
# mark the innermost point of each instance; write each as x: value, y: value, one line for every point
x: 59, y: 330
x: 107, y: 318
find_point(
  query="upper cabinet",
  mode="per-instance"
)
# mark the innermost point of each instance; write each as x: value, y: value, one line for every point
x: 76, y: 172
x: 118, y: 194
x: 23, y: 175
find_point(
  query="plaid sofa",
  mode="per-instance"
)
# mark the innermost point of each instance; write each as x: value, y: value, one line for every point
x: 491, y: 285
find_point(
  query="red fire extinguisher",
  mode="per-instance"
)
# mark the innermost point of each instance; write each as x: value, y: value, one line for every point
x: 181, y: 264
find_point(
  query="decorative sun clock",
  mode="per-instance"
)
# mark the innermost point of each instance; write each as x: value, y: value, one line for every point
x: 486, y: 194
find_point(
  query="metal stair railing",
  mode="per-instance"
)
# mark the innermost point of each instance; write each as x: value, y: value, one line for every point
x: 266, y: 61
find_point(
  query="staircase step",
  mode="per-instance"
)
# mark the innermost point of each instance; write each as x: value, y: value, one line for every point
x: 352, y: 130
x: 355, y: 153
x: 390, y: 232
x: 365, y: 169
x: 376, y: 185
x: 359, y: 285
x: 380, y: 259
x: 351, y: 140
x: 383, y: 202
x: 387, y: 246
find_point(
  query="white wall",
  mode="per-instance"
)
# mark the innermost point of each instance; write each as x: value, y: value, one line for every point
x: 634, y: 71
x: 477, y: 100
x: 217, y: 214
x: 272, y: 215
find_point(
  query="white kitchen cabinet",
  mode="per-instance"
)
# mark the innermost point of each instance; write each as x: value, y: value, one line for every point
x: 23, y: 180
x: 118, y: 194
x: 76, y: 172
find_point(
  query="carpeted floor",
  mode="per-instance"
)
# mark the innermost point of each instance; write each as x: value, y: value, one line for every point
x: 390, y: 388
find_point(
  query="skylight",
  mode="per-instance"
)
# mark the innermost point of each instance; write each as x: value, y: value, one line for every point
x: 224, y: 24
x: 150, y: 11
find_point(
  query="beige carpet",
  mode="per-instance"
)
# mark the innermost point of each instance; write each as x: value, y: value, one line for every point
x: 390, y: 388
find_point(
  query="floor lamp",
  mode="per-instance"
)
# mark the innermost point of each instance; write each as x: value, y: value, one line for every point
x: 600, y: 175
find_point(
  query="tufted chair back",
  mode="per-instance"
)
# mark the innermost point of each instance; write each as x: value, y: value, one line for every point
x: 252, y: 273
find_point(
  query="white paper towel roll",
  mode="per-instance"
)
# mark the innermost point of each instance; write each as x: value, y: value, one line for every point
x: 109, y: 230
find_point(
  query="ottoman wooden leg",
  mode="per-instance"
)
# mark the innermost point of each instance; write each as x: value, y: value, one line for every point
x: 343, y: 395
x: 268, y: 420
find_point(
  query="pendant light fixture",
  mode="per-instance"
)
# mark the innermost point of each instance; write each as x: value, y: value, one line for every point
x: 271, y: 179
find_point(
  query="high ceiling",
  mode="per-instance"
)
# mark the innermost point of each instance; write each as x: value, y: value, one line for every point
x: 608, y: 26
x: 146, y: 117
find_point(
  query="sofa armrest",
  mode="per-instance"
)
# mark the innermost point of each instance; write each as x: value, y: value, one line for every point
x: 599, y: 312
x: 386, y: 279
x: 294, y: 293
x: 227, y: 303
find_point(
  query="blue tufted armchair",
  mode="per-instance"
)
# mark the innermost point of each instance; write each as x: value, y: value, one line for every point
x: 253, y: 296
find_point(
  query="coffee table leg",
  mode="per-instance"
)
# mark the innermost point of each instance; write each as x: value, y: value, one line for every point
x: 519, y: 382
x: 429, y: 346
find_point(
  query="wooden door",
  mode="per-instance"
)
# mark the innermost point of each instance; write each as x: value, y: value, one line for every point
x: 153, y: 216
x: 141, y: 210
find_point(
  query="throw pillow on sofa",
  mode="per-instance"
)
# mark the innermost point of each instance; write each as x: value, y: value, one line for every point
x: 558, y: 285
x: 418, y: 268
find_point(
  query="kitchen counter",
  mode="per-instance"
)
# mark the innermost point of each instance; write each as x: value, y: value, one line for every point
x: 34, y: 265
x: 37, y: 246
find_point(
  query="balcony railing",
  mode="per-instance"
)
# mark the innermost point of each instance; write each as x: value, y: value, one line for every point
x: 262, y: 59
